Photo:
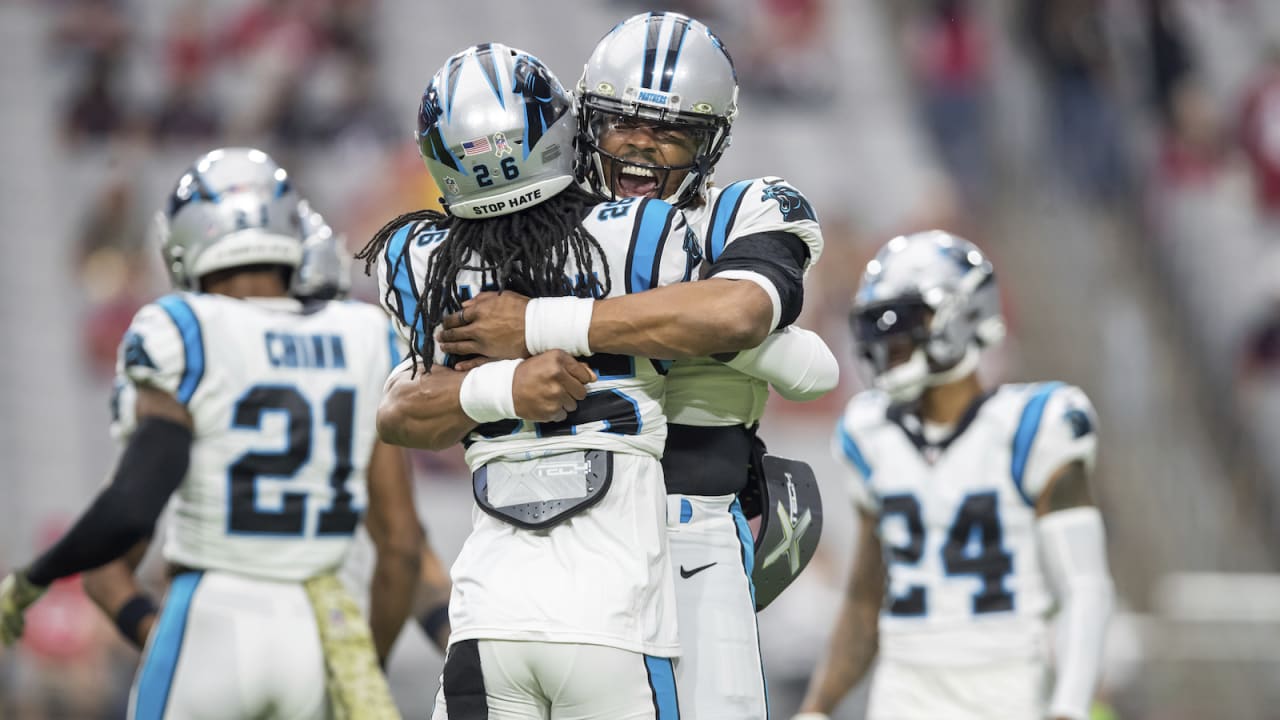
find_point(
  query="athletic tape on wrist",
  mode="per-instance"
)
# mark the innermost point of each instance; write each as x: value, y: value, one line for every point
x: 560, y: 323
x: 486, y: 394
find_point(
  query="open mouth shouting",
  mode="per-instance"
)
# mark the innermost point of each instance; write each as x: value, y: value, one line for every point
x: 637, y: 181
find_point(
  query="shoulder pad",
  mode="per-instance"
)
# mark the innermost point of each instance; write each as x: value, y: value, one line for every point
x: 768, y: 204
x: 662, y: 247
x: 164, y: 347
x: 1057, y: 426
x: 399, y: 267
x: 852, y: 444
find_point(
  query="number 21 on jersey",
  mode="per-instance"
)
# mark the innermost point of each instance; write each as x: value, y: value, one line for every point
x: 244, y: 515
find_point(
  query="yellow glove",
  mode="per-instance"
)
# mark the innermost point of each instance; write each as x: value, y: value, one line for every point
x: 17, y: 593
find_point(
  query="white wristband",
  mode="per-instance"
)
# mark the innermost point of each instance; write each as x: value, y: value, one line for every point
x: 810, y: 716
x: 486, y: 395
x: 558, y: 323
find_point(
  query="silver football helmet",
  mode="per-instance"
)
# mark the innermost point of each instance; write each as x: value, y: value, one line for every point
x: 234, y: 207
x: 926, y: 306
x: 660, y: 67
x: 325, y: 271
x: 495, y: 129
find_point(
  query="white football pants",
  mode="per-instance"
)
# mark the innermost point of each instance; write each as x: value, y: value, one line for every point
x: 719, y: 674
x: 523, y: 680
x: 998, y: 691
x: 232, y: 647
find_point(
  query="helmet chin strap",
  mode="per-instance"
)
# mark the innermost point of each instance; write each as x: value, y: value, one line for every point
x: 908, y: 381
x: 967, y: 364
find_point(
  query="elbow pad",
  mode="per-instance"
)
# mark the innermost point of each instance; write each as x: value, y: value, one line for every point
x: 1073, y: 549
x: 795, y: 361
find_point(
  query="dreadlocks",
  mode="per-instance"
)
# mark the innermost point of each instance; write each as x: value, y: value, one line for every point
x: 528, y: 251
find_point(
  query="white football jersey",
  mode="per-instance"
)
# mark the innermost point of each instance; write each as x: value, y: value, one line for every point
x: 284, y: 400
x: 646, y: 244
x: 957, y: 519
x: 702, y: 391
x: 604, y: 575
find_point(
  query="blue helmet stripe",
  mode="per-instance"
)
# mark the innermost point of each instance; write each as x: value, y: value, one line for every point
x: 654, y: 23
x: 488, y: 65
x: 674, y: 46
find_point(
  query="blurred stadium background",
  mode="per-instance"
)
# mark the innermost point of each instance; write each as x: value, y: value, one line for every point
x: 1119, y: 159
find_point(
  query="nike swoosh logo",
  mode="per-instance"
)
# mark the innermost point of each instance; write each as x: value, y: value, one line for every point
x: 686, y: 574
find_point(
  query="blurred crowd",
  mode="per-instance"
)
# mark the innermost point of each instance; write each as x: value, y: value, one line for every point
x: 1161, y: 115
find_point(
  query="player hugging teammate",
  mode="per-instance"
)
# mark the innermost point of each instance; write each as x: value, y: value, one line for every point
x: 542, y: 322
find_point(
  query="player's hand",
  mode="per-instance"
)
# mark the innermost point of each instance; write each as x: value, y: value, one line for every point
x: 17, y: 593
x: 490, y: 324
x: 548, y: 386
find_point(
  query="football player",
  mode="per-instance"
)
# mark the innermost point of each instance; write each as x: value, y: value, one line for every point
x: 255, y: 419
x: 974, y: 507
x: 562, y: 593
x: 325, y: 274
x: 656, y: 101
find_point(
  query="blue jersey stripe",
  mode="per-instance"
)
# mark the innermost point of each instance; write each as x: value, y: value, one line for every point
x: 662, y: 681
x: 192, y: 344
x: 748, y: 542
x: 393, y: 347
x: 1028, y: 426
x: 851, y: 451
x: 156, y: 677
x: 399, y: 265
x: 646, y: 244
x: 722, y: 217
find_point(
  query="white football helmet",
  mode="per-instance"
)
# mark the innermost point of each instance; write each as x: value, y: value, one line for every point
x: 234, y: 207
x: 926, y: 306
x: 495, y: 129
x: 661, y: 67
x: 325, y: 271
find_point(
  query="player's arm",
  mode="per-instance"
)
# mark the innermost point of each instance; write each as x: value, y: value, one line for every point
x: 432, y: 605
x: 437, y: 409
x: 115, y: 590
x: 1072, y: 545
x: 855, y: 641
x: 399, y: 541
x: 753, y: 288
x: 125, y: 511
x: 794, y: 361
x: 1073, y: 548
